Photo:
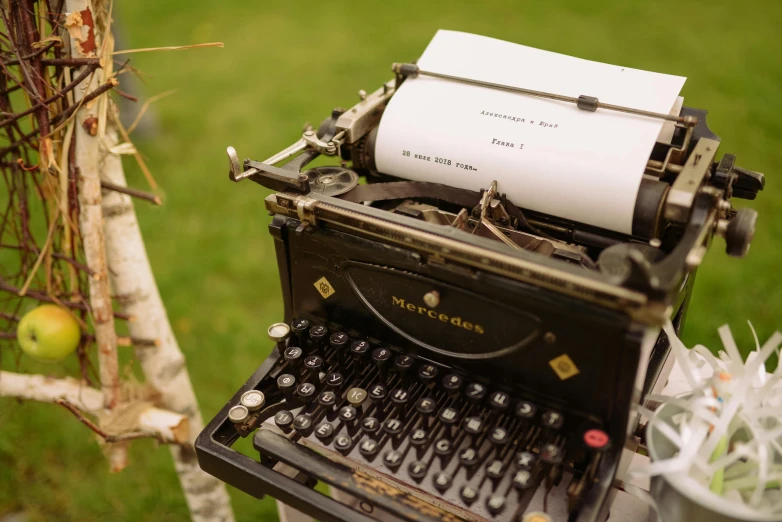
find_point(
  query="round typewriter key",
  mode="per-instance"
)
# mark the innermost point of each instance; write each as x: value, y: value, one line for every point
x: 338, y: 340
x: 300, y: 327
x: 302, y: 422
x: 403, y: 362
x: 473, y: 425
x: 293, y: 354
x: 287, y: 384
x: 495, y: 469
x: 378, y: 392
x: 425, y: 406
x: 381, y: 357
x: 495, y: 504
x: 448, y: 415
x: 443, y: 447
x: 335, y: 380
x: 552, y: 419
x: 253, y: 400
x: 418, y: 437
x: 283, y: 418
x: 343, y: 443
x: 347, y: 414
x: 370, y: 424
x: 551, y: 454
x: 475, y: 392
x: 305, y: 391
x: 278, y: 332
x: 468, y: 495
x: 427, y: 373
x: 356, y: 396
x: 522, y: 479
x: 525, y: 410
x: 313, y: 362
x: 318, y: 335
x: 359, y: 349
x: 441, y: 481
x: 392, y: 459
x: 596, y: 439
x: 499, y: 435
x: 324, y: 430
x: 525, y: 460
x: 327, y: 398
x: 417, y: 469
x: 468, y: 457
x: 368, y: 447
x: 452, y: 383
x: 499, y: 401
x: 392, y: 426
x: 400, y: 396
x: 238, y: 414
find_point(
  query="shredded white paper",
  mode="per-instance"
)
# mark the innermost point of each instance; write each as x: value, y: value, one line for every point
x: 729, y: 432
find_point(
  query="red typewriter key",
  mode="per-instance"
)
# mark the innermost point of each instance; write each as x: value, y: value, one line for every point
x: 596, y: 439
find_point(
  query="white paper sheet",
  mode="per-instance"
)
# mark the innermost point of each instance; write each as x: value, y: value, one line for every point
x: 556, y: 158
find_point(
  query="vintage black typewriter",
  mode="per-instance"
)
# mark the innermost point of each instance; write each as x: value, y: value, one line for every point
x: 447, y: 355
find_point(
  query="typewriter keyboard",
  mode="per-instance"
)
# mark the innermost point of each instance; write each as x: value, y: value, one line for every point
x: 460, y: 441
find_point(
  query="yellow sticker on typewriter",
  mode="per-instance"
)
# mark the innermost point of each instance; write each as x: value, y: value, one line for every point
x: 324, y: 287
x: 563, y: 366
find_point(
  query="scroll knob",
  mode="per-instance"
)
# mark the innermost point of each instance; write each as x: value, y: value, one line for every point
x: 234, y: 167
x: 740, y: 231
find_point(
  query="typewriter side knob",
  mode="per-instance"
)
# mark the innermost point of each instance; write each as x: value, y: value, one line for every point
x: 740, y: 231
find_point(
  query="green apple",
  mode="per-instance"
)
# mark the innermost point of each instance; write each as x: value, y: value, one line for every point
x: 48, y: 333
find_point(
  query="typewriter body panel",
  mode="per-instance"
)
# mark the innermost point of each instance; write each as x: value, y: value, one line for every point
x: 445, y: 355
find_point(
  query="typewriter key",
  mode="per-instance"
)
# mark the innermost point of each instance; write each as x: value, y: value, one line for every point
x: 597, y: 440
x: 499, y: 435
x: 313, y: 363
x: 452, y: 383
x: 427, y: 373
x: 278, y: 332
x: 338, y: 340
x: 378, y: 392
x: 499, y: 401
x: 425, y: 406
x: 402, y: 365
x: 418, y: 437
x: 300, y: 327
x: 525, y: 410
x: 417, y: 470
x: 368, y: 447
x: 495, y: 504
x: 327, y: 399
x: 392, y: 426
x: 293, y: 354
x: 475, y: 392
x: 399, y: 397
x: 552, y: 420
x: 392, y: 459
x: 525, y: 460
x: 443, y: 447
x: 238, y: 414
x: 302, y: 423
x: 468, y: 457
x: 370, y: 424
x: 356, y: 396
x: 522, y: 479
x: 359, y: 349
x: 448, y: 415
x: 441, y: 481
x: 343, y: 443
x: 473, y: 425
x: 305, y: 392
x: 495, y: 469
x: 550, y: 454
x: 468, y: 495
x: 318, y: 335
x: 286, y: 384
x: 335, y: 380
x: 253, y: 400
x: 380, y: 357
x: 347, y: 414
x: 324, y: 430
x: 283, y: 419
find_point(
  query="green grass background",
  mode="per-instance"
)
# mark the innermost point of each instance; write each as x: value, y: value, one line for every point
x: 286, y: 63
